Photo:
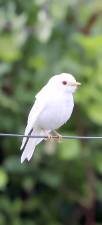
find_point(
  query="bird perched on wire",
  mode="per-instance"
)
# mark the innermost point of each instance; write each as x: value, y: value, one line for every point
x: 52, y: 108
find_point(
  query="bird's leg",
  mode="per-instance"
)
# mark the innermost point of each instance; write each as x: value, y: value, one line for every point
x: 58, y: 136
x: 49, y: 136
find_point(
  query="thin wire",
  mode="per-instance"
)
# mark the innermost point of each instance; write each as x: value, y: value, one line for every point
x: 45, y: 137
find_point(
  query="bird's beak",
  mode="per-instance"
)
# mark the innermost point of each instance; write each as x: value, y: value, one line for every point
x: 76, y: 84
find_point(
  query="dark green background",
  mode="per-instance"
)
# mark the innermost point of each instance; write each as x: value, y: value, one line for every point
x: 62, y: 184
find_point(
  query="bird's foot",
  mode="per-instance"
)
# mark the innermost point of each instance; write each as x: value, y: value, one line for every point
x: 49, y: 137
x: 58, y: 136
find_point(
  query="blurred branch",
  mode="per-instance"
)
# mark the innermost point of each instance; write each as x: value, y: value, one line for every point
x: 88, y: 210
x: 86, y: 29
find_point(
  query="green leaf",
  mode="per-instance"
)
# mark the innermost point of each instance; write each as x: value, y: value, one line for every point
x: 69, y: 149
x: 3, y: 179
x: 95, y: 113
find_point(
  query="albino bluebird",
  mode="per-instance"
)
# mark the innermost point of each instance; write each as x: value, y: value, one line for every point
x: 52, y: 108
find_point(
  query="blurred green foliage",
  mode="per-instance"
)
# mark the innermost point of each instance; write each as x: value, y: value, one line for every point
x: 40, y: 38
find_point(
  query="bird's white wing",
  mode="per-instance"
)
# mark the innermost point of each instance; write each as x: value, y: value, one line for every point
x: 28, y: 144
x: 37, y: 108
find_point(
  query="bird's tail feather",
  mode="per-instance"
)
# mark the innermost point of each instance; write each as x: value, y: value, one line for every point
x: 28, y: 131
x: 30, y: 145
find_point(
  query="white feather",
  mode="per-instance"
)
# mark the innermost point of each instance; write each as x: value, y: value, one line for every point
x: 31, y: 144
x: 32, y: 117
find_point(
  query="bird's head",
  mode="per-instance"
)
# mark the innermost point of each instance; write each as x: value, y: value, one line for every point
x: 64, y: 82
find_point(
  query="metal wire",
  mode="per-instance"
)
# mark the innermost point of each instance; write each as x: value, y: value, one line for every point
x: 45, y: 137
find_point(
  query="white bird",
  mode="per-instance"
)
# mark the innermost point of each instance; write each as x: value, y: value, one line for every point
x: 52, y: 108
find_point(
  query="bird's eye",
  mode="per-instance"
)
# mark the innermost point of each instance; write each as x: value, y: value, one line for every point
x: 64, y: 82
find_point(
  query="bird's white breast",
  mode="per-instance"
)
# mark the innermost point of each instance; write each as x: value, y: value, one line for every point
x: 56, y: 112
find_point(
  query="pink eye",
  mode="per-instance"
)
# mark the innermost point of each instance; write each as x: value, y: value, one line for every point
x: 64, y: 82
